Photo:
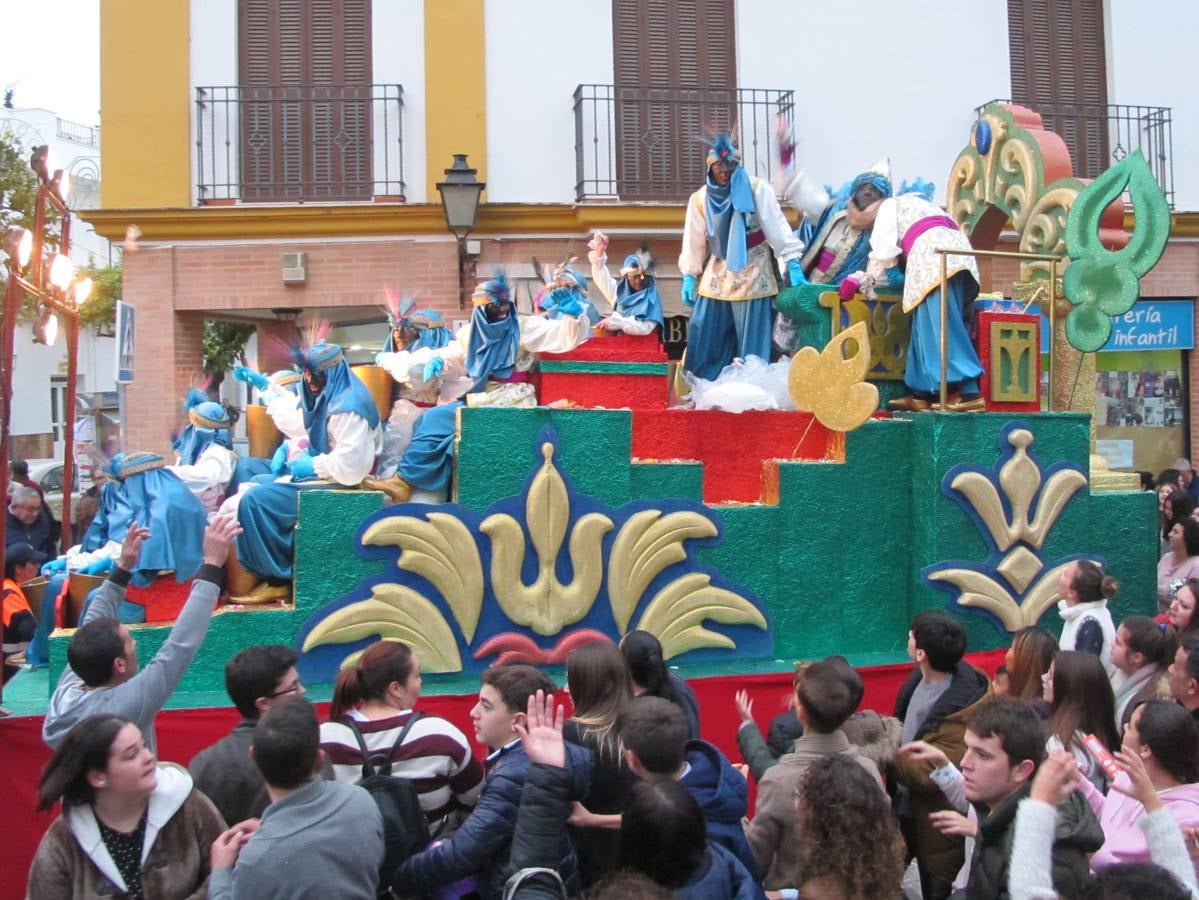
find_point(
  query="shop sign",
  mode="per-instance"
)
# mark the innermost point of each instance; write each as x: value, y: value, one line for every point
x: 1149, y: 325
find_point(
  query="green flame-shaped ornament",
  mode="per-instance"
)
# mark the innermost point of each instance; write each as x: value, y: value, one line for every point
x: 1104, y: 283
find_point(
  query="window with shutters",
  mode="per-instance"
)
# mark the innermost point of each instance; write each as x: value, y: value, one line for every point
x: 305, y: 85
x: 1059, y: 69
x: 675, y: 84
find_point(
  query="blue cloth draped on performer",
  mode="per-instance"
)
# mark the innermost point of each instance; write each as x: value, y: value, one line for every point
x: 727, y: 330
x: 343, y: 392
x: 267, y: 515
x: 194, y: 441
x: 644, y: 304
x: 727, y: 206
x: 433, y: 336
x: 429, y: 460
x: 158, y: 500
x: 246, y: 469
x: 923, y: 372
x: 493, y: 346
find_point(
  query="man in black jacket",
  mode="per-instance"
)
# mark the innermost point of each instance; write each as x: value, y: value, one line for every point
x: 30, y: 522
x: 1005, y: 744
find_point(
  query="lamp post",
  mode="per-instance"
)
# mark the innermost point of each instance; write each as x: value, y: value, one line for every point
x: 460, y: 200
x: 50, y: 279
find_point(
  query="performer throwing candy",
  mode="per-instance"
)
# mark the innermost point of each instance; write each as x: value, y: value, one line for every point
x: 732, y: 224
x: 636, y: 306
x: 205, y: 460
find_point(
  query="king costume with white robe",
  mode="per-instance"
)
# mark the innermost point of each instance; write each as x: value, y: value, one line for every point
x: 910, y: 229
x: 342, y: 424
x: 728, y: 234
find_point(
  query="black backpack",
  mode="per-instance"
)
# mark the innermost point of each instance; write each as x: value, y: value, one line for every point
x: 405, y: 831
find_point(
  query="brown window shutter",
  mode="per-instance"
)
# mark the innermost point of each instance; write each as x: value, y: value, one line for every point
x: 305, y: 76
x: 1059, y: 68
x: 675, y: 81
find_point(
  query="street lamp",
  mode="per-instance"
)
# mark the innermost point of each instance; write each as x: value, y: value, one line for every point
x: 460, y: 200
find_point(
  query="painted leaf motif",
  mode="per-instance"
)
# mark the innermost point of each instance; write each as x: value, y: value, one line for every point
x: 443, y: 551
x: 646, y: 544
x: 832, y: 387
x: 980, y: 590
x: 397, y: 613
x: 677, y: 613
x: 981, y: 492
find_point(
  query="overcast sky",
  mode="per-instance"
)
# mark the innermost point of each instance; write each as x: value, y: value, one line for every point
x: 67, y: 83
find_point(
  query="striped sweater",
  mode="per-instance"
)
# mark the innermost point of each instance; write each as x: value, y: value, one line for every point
x: 435, y: 757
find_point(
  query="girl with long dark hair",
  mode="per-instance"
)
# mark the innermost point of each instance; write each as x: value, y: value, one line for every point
x: 647, y: 667
x: 129, y: 824
x: 1080, y: 703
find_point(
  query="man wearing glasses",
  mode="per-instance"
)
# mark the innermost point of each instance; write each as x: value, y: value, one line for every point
x: 29, y: 521
x: 255, y: 679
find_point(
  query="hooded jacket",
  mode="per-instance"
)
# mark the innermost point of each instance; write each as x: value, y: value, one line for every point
x: 723, y: 796
x: 181, y: 824
x: 483, y: 841
x: 1119, y: 814
x: 940, y: 856
x: 721, y: 875
x: 1077, y: 834
x: 321, y: 840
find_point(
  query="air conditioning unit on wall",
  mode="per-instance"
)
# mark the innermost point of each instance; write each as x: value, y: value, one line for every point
x: 295, y: 268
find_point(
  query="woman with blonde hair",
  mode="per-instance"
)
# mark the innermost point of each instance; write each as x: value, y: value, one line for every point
x: 600, y: 689
x: 372, y: 720
x: 1032, y: 653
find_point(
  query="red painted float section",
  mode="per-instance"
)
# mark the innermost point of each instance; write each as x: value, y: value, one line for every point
x: 740, y: 451
x: 627, y: 389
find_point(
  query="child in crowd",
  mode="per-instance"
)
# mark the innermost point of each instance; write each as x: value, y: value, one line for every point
x: 1080, y: 703
x: 482, y: 842
x: 1085, y: 589
x: 1140, y: 653
x: 654, y: 734
x: 827, y: 695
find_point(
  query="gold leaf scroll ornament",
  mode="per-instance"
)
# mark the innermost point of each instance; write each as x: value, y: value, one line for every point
x: 677, y: 613
x: 394, y: 613
x: 547, y: 604
x: 833, y: 387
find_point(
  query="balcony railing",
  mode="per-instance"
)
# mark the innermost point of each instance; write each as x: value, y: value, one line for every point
x: 280, y: 144
x: 1099, y: 135
x: 87, y: 135
x: 640, y: 143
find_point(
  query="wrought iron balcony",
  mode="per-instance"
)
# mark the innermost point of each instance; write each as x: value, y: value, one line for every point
x: 294, y: 143
x: 1099, y: 135
x: 643, y: 143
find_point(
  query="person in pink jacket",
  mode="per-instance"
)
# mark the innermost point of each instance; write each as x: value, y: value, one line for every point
x: 1163, y: 739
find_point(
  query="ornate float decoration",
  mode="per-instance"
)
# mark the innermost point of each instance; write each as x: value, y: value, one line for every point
x: 538, y: 573
x: 1015, y: 506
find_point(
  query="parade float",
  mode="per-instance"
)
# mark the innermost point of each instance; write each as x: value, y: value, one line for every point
x: 748, y: 541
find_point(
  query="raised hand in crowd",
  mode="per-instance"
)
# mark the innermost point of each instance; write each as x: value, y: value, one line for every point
x: 1056, y: 778
x: 948, y: 821
x: 131, y: 547
x: 926, y: 752
x: 1141, y: 786
x: 745, y: 706
x: 541, y: 735
x: 218, y: 539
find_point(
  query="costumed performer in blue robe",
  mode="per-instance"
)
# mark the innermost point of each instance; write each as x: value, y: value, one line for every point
x: 636, y: 306
x: 206, y: 460
x: 908, y: 231
x: 344, y: 437
x: 140, y: 489
x: 565, y: 295
x: 836, y: 232
x: 280, y: 394
x: 499, y: 353
x: 729, y: 275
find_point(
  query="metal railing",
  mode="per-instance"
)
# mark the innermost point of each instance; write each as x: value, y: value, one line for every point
x: 1098, y: 135
x: 86, y: 135
x: 648, y: 143
x: 293, y: 143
